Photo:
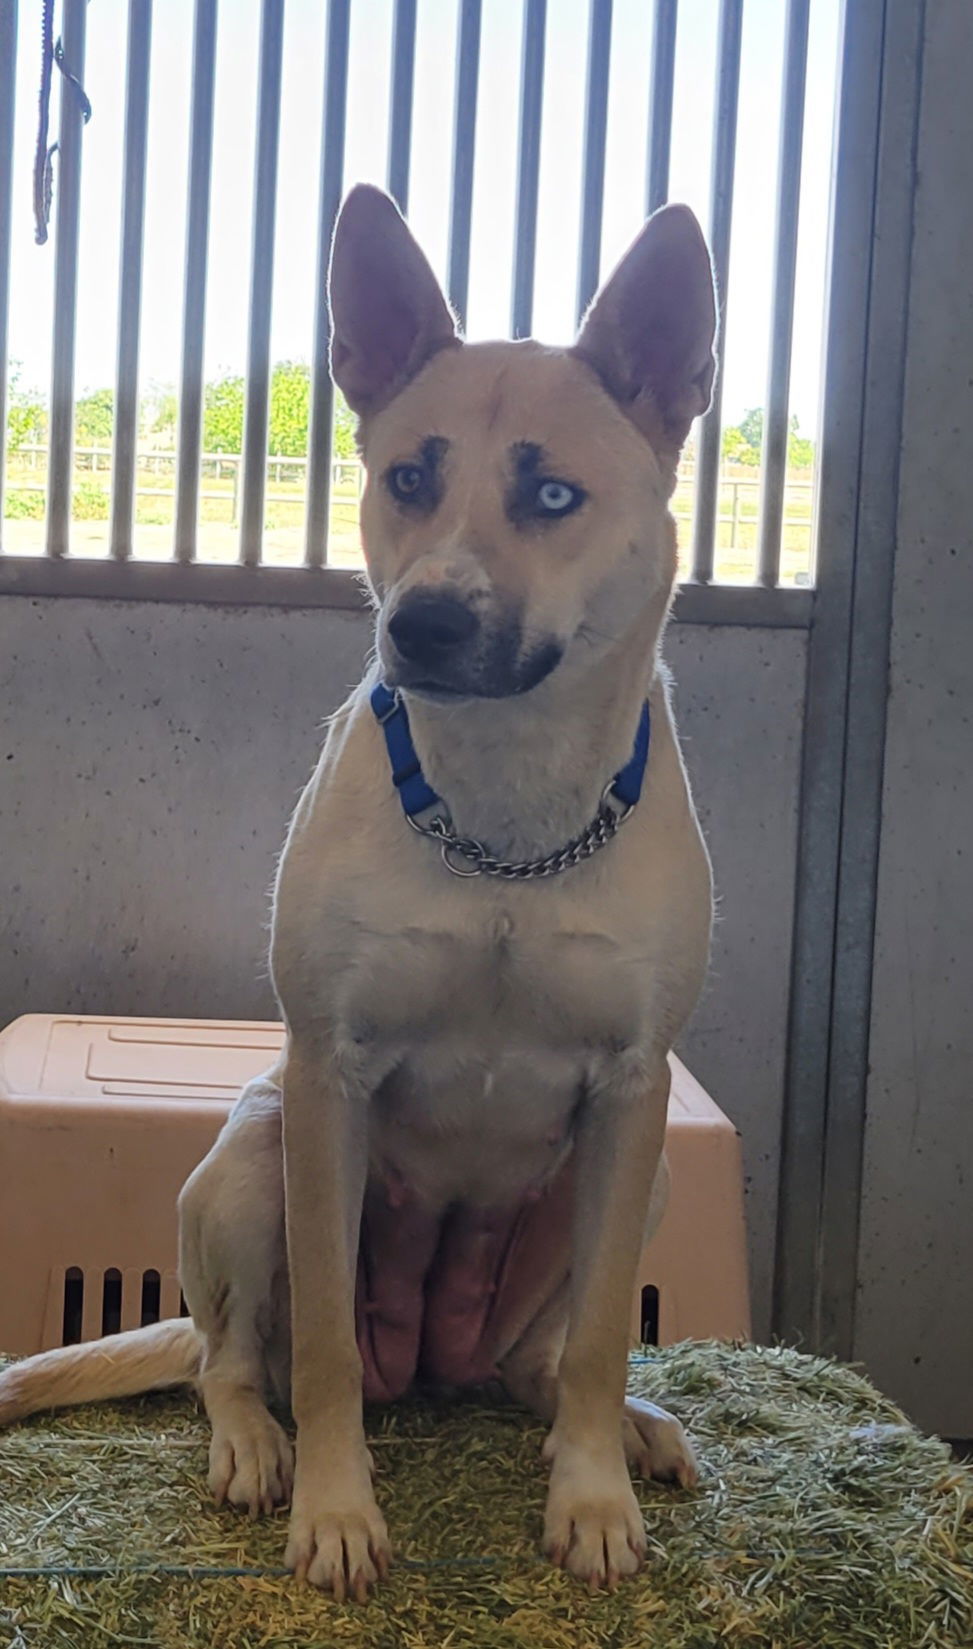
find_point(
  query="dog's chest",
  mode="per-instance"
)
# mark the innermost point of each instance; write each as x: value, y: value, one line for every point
x: 490, y: 980
x: 475, y: 1041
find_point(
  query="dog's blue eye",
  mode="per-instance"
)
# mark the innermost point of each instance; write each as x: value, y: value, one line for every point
x: 405, y: 482
x: 557, y: 497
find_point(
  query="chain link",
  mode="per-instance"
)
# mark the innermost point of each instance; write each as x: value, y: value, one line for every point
x: 606, y: 822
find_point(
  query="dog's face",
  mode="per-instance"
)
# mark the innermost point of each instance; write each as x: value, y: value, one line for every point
x: 515, y: 516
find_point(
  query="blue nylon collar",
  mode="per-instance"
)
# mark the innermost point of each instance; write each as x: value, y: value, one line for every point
x: 416, y: 795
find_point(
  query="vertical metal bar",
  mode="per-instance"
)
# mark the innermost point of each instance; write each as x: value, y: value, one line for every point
x: 797, y: 1282
x: 190, y: 438
x: 528, y: 166
x: 400, y: 115
x: 773, y: 459
x: 868, y: 676
x: 332, y: 177
x: 660, y: 106
x: 8, y: 80
x: 464, y: 146
x: 595, y: 128
x: 125, y: 432
x: 257, y: 410
x: 68, y: 204
x: 721, y: 212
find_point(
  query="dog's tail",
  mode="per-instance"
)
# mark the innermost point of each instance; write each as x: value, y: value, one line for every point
x: 120, y: 1365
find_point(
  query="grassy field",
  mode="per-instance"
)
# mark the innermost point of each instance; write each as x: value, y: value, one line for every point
x: 23, y: 527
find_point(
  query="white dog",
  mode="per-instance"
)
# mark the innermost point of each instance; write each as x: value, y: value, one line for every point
x: 451, y: 1170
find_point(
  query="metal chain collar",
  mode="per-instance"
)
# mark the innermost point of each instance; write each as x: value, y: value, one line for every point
x: 606, y: 822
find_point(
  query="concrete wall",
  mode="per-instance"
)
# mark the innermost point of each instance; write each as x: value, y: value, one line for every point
x: 150, y: 756
x: 915, y: 1313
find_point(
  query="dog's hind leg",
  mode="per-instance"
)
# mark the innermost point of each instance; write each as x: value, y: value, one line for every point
x: 233, y: 1269
x: 655, y: 1442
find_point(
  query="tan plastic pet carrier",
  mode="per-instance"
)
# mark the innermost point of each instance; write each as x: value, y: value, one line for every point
x: 101, y: 1121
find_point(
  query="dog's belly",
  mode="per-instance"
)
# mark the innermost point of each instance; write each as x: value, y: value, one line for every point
x: 467, y: 1211
x: 466, y: 1228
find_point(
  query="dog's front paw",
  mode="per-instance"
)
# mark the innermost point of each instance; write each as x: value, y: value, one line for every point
x: 251, y: 1464
x: 593, y: 1526
x: 338, y: 1540
x: 656, y: 1445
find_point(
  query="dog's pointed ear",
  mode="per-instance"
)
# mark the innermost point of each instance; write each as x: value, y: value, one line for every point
x: 650, y: 331
x: 388, y: 314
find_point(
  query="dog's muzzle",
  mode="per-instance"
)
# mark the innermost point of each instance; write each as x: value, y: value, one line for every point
x: 442, y: 647
x: 428, y: 630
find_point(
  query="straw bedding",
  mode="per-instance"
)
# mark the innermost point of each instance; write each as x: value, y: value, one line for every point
x: 823, y: 1520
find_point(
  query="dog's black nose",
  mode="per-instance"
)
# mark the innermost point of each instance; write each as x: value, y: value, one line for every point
x: 427, y: 627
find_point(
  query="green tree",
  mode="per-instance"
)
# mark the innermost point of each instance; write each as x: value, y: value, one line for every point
x: 223, y: 415
x: 160, y: 411
x: 800, y: 450
x: 26, y: 413
x: 752, y: 430
x: 345, y: 441
x: 289, y: 414
x: 742, y: 442
x: 290, y: 409
x: 735, y: 447
x: 94, y: 417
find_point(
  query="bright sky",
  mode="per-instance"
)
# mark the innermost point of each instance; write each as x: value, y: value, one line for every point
x: 745, y: 355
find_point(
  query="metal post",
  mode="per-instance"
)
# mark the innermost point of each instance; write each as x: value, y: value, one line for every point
x: 257, y: 410
x: 528, y: 166
x: 464, y: 147
x: 322, y: 395
x: 400, y: 114
x: 596, y: 126
x: 8, y: 77
x: 721, y: 213
x: 125, y: 430
x: 660, y: 106
x: 194, y: 306
x: 773, y: 458
x: 60, y: 465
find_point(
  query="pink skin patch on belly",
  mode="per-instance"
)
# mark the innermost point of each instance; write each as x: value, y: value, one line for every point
x: 442, y: 1297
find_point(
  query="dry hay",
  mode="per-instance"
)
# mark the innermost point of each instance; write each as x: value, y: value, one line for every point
x: 822, y: 1521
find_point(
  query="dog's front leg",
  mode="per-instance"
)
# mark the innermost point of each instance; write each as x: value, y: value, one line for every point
x: 338, y: 1538
x: 593, y: 1526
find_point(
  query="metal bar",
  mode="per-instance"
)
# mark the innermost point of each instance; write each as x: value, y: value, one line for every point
x: 257, y: 409
x: 721, y: 212
x: 595, y: 129
x: 125, y: 430
x: 229, y: 584
x: 773, y: 458
x: 400, y: 109
x: 332, y: 177
x: 868, y: 679
x: 190, y: 437
x: 464, y: 148
x: 8, y: 80
x: 235, y: 585
x: 68, y: 205
x: 660, y: 106
x: 803, y: 1136
x: 528, y: 166
x: 745, y: 605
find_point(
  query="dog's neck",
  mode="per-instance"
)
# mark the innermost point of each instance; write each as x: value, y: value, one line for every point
x: 524, y: 775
